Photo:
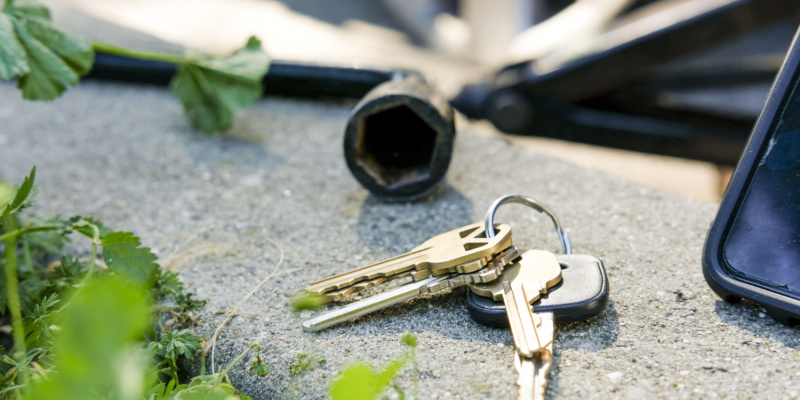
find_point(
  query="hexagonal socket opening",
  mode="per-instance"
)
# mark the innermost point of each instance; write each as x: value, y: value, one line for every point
x: 396, y: 146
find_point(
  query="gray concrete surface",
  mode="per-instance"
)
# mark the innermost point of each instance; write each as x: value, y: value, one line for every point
x: 206, y: 205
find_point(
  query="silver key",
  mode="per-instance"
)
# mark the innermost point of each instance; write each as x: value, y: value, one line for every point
x: 519, y: 286
x: 432, y: 284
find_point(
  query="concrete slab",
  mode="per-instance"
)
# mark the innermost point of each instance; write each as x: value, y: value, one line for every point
x: 207, y: 205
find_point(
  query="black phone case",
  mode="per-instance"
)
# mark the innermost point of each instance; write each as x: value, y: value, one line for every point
x: 782, y: 305
x: 581, y: 294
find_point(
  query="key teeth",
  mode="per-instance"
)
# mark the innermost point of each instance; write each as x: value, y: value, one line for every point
x: 340, y: 294
x: 493, y: 271
x: 490, y: 269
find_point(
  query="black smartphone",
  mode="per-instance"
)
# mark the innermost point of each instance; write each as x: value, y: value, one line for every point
x: 753, y: 247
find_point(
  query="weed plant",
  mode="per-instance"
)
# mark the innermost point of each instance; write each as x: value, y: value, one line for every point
x: 82, y: 329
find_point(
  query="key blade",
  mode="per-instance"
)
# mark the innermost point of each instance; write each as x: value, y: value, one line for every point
x: 524, y: 328
x: 383, y: 269
x: 527, y: 376
x: 544, y: 360
x: 340, y: 294
x: 539, y: 271
x: 533, y: 375
x: 368, y: 305
x: 533, y: 370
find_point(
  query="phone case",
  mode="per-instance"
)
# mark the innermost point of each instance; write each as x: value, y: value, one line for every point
x: 780, y: 303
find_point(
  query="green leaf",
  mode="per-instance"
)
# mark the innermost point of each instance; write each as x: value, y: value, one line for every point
x: 123, y: 255
x: 258, y: 367
x: 24, y: 195
x: 360, y: 382
x: 29, y: 8
x: 357, y: 382
x: 6, y: 193
x: 13, y: 62
x: 409, y: 340
x: 164, y: 391
x: 95, y: 349
x: 168, y: 282
x: 308, y: 301
x: 211, y: 88
x: 47, y: 60
x: 208, y: 392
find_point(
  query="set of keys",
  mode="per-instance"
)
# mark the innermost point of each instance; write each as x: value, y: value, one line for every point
x: 506, y: 287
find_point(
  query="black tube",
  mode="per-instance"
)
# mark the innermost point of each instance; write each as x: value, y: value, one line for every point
x: 285, y: 78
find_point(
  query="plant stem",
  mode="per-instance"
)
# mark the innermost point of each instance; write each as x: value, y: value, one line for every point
x: 233, y: 363
x: 142, y: 55
x: 19, y: 232
x: 95, y: 242
x: 13, y: 297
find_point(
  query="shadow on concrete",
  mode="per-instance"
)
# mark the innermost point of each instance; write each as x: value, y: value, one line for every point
x: 399, y: 227
x: 745, y: 315
x: 592, y: 335
x: 445, y: 314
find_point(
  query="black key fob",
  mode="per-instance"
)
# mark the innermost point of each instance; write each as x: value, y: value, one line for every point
x: 581, y: 294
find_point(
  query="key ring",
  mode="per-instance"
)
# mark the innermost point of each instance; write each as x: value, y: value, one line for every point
x: 566, y: 245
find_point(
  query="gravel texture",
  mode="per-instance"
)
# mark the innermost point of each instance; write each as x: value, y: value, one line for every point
x: 211, y: 206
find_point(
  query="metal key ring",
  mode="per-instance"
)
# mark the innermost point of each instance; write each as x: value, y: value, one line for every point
x: 530, y: 202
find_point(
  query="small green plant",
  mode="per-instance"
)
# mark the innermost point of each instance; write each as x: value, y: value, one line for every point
x: 82, y: 330
x: 411, y: 341
x: 173, y: 345
x: 360, y: 381
x: 257, y: 365
x: 46, y: 62
x: 300, y: 364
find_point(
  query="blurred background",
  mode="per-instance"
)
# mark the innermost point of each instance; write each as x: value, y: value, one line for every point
x: 457, y: 43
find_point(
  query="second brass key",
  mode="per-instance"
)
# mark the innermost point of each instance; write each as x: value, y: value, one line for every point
x: 447, y: 252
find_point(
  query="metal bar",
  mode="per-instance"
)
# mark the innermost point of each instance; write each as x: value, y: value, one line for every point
x: 284, y: 78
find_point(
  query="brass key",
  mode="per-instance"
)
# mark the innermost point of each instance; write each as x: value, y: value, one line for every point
x: 462, y: 250
x: 519, y: 286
